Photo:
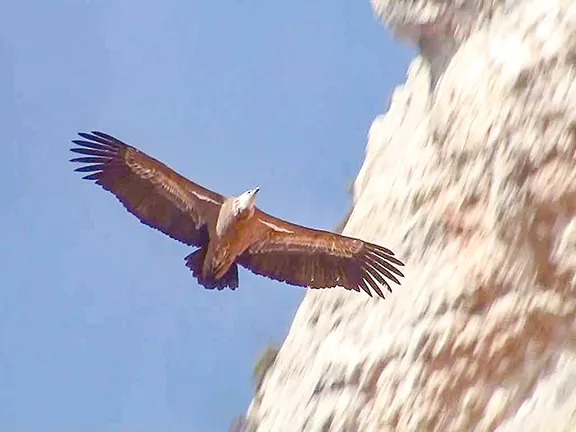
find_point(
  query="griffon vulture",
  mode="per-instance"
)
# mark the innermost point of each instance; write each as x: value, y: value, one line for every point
x: 228, y: 230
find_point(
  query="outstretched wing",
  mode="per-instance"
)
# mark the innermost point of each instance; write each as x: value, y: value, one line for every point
x: 154, y: 193
x: 317, y: 259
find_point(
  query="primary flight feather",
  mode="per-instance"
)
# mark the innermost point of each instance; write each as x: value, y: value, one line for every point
x: 227, y: 230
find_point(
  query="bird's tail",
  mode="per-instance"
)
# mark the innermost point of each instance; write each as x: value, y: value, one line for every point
x: 195, y: 262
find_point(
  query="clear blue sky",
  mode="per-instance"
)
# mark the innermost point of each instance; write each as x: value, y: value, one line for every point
x: 101, y: 325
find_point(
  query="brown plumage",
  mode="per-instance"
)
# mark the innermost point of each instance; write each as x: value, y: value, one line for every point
x: 231, y: 230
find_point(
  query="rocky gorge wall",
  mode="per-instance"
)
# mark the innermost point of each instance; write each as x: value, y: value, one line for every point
x: 470, y: 177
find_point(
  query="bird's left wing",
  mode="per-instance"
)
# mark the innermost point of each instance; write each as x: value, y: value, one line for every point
x: 314, y: 258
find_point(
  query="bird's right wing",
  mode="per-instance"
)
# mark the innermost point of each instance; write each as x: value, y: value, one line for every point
x: 150, y: 190
x: 314, y: 258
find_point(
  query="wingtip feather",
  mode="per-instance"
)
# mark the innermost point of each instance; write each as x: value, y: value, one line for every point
x: 93, y: 176
x: 85, y: 135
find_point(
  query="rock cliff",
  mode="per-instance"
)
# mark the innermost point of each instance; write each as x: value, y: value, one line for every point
x: 470, y: 177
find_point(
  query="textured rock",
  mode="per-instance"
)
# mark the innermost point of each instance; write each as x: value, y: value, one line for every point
x: 471, y: 178
x: 239, y: 424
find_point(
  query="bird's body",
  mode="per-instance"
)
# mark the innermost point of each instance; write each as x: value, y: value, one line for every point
x: 228, y: 240
x: 230, y: 231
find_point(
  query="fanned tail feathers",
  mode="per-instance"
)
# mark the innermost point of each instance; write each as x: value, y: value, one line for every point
x: 195, y: 262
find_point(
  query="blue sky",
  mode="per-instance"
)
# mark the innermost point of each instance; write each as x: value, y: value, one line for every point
x: 101, y: 325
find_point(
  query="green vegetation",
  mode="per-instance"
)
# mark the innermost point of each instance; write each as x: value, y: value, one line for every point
x: 263, y: 363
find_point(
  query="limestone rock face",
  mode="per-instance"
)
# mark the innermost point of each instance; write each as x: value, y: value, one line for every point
x: 470, y: 177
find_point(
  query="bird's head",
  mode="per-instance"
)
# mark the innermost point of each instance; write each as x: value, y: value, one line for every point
x: 245, y: 201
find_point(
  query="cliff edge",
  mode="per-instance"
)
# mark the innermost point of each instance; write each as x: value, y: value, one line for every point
x: 470, y: 177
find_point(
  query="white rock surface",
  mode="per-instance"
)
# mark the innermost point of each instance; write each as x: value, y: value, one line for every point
x: 471, y: 178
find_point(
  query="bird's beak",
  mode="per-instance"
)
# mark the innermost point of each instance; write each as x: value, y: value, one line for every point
x: 255, y: 191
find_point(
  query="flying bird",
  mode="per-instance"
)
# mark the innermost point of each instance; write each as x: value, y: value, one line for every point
x: 228, y: 231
